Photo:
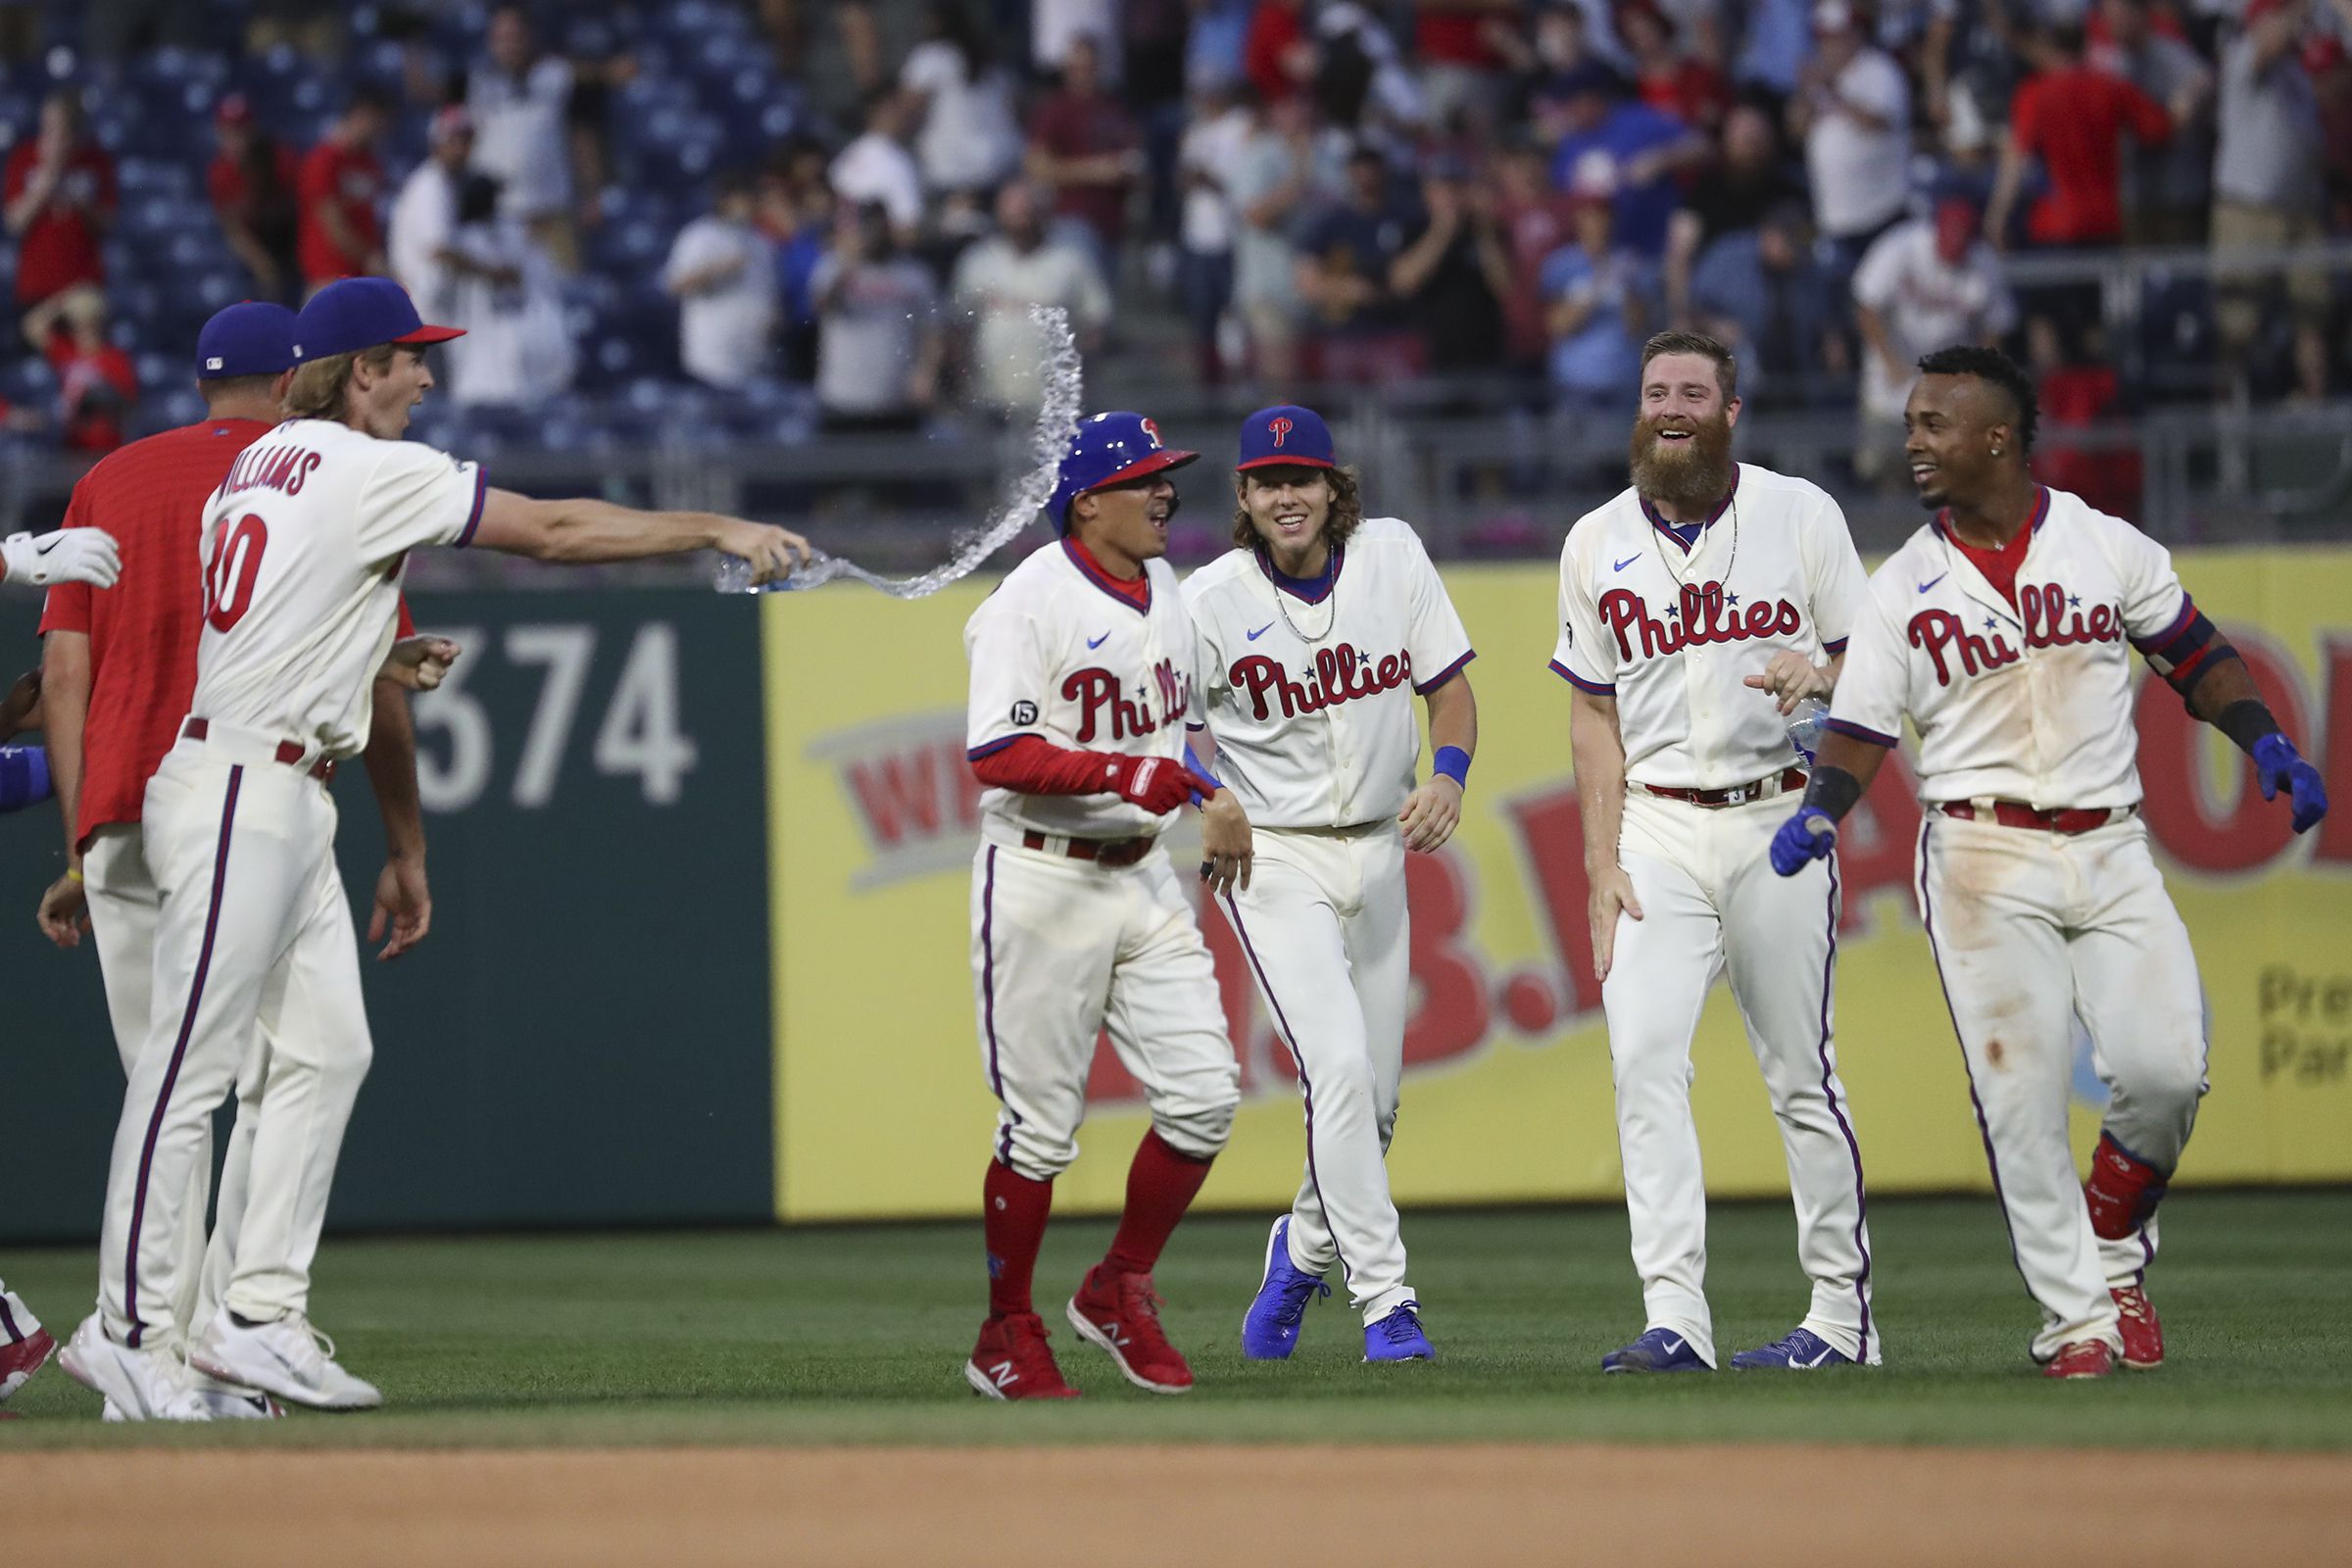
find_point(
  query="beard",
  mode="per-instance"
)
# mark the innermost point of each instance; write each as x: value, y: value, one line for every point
x: 1685, y: 473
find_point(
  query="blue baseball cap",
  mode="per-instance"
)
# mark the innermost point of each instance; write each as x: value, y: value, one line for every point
x: 361, y: 312
x: 1286, y: 433
x: 1111, y: 449
x: 253, y: 339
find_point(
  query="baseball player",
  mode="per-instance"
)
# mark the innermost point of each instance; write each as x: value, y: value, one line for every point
x: 120, y: 667
x: 1695, y: 609
x: 85, y: 556
x: 1316, y: 633
x: 2001, y: 630
x: 1082, y: 684
x: 304, y: 546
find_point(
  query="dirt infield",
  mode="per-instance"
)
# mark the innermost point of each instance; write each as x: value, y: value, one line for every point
x: 1140, y: 1506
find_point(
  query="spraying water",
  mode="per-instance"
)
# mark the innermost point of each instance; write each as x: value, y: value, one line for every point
x: 1061, y: 377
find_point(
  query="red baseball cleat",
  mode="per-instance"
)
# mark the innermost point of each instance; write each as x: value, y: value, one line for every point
x: 1120, y: 1313
x: 2123, y: 1190
x: 2143, y: 1336
x: 19, y: 1360
x: 1012, y: 1362
x: 2085, y: 1359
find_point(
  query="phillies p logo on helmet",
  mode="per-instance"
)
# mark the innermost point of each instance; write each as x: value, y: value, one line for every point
x: 1151, y: 430
x: 1277, y: 428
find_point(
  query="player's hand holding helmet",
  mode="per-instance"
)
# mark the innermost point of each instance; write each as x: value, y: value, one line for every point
x: 1155, y: 783
x: 69, y: 554
x: 2277, y: 765
x: 771, y: 552
x: 1803, y: 838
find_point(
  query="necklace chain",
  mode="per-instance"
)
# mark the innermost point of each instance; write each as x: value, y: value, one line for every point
x: 1330, y: 598
x: 1725, y: 577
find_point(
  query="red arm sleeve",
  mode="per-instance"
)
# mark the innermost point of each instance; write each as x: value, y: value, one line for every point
x: 1033, y: 766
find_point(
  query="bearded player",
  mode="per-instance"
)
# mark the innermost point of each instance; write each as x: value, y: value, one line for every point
x: 1695, y: 610
x: 2000, y: 629
x: 1082, y: 681
x: 1316, y: 634
x: 305, y: 545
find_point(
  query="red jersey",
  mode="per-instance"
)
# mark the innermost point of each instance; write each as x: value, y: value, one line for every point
x: 353, y: 182
x: 60, y: 247
x: 2074, y: 120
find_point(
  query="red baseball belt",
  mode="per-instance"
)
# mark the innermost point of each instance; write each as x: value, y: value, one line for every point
x: 1102, y: 852
x: 2017, y: 814
x: 289, y: 753
x: 1762, y: 789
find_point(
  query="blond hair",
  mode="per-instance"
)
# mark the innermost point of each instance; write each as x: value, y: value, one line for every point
x: 319, y: 388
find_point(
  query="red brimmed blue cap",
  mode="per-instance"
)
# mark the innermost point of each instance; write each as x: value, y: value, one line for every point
x: 252, y: 338
x: 361, y: 312
x: 1111, y: 449
x: 1286, y: 433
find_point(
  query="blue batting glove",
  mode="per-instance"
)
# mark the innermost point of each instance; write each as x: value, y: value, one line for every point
x: 2277, y: 765
x: 1803, y: 839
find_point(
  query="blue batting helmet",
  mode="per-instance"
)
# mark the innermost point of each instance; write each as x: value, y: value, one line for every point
x: 1109, y: 449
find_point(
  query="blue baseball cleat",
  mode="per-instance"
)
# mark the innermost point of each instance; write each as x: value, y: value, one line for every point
x: 1803, y: 1350
x: 1399, y: 1336
x: 1270, y: 1328
x: 1656, y: 1350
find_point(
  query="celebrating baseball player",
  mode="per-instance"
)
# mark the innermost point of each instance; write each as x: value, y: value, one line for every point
x: 1082, y: 684
x: 305, y: 542
x: 1696, y: 609
x: 1999, y: 630
x: 1316, y: 633
x: 120, y: 669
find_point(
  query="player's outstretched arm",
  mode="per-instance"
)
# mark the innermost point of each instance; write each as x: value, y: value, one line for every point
x: 69, y: 554
x: 2223, y: 694
x: 1433, y: 812
x: 1598, y: 749
x: 582, y: 532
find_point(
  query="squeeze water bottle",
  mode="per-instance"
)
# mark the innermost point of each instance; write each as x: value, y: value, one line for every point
x: 1805, y: 727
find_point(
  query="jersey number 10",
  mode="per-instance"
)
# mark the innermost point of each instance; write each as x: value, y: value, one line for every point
x: 228, y: 576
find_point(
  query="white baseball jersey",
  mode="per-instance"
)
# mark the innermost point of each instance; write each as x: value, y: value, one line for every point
x: 305, y: 543
x: 1673, y: 631
x: 2028, y: 700
x: 1311, y: 702
x: 1058, y: 653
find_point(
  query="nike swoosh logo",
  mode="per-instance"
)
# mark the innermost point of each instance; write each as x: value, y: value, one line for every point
x: 1674, y: 1346
x: 1627, y: 562
x: 1097, y: 642
x: 1932, y: 581
x: 45, y: 549
x: 1262, y: 631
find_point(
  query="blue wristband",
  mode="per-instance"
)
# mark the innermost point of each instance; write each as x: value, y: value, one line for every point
x: 24, y: 776
x: 1454, y: 763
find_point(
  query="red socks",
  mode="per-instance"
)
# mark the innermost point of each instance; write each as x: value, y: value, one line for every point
x: 1160, y: 1185
x: 1013, y: 1220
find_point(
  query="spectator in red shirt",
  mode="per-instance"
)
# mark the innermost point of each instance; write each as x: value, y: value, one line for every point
x: 1083, y: 147
x: 341, y: 231
x: 1277, y: 55
x: 1455, y: 44
x: 252, y: 182
x: 1667, y: 76
x: 96, y: 383
x: 60, y: 193
x: 2074, y: 118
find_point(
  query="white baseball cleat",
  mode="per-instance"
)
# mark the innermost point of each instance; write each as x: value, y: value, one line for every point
x: 286, y: 1357
x: 228, y: 1402
x: 139, y: 1384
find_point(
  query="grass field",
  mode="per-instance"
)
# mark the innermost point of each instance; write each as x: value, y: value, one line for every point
x: 857, y: 1335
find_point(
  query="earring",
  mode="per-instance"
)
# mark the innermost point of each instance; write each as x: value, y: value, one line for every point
x: 1996, y: 451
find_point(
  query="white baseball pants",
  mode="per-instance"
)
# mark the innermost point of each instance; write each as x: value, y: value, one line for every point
x: 1712, y: 905
x: 2030, y: 928
x: 249, y: 925
x: 1323, y: 925
x: 1060, y: 949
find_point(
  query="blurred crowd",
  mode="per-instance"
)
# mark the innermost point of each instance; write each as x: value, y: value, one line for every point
x: 1471, y: 194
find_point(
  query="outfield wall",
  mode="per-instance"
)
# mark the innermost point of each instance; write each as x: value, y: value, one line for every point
x: 672, y: 979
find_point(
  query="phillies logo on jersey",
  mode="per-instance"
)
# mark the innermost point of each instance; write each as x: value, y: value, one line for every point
x: 1341, y: 675
x: 1704, y: 614
x: 1156, y: 706
x: 2051, y: 618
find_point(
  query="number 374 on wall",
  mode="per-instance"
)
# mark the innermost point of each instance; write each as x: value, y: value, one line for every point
x: 458, y: 724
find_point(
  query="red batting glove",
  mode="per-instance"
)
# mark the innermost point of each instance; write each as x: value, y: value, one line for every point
x: 1155, y: 783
